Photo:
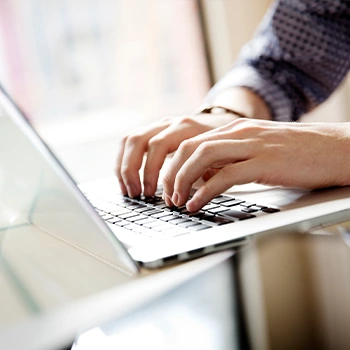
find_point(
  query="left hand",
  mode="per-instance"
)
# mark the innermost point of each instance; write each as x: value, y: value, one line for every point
x: 266, y: 152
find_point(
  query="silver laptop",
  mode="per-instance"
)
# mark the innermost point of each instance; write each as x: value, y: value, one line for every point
x: 130, y: 233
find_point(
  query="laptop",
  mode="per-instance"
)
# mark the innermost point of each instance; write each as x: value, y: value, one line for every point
x: 126, y: 233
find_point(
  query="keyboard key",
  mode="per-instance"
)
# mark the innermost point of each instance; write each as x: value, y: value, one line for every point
x: 161, y: 206
x: 114, y: 220
x: 221, y: 199
x: 270, y: 210
x: 139, y: 206
x: 143, y: 209
x: 178, y: 220
x: 123, y: 201
x: 260, y: 206
x: 152, y: 224
x: 218, y: 210
x: 194, y: 216
x: 257, y: 207
x: 232, y: 203
x: 122, y: 223
x: 152, y: 200
x: 153, y: 211
x: 160, y: 215
x: 210, y: 206
x: 199, y: 227
x: 178, y: 209
x: 201, y: 214
x: 138, y: 217
x: 249, y: 210
x: 186, y: 223
x: 120, y: 211
x: 169, y: 217
x: 145, y: 221
x: 216, y: 220
x: 247, y: 204
x: 128, y: 215
x: 192, y: 223
x: 107, y: 217
x: 132, y: 206
x: 236, y: 215
x: 134, y: 228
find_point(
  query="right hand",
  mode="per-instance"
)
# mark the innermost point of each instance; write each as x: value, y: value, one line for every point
x: 157, y: 141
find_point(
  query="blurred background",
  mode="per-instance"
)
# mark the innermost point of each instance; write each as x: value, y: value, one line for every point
x: 87, y: 72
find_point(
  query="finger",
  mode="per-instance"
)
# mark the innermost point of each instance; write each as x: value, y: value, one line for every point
x: 159, y: 147
x: 183, y: 129
x: 167, y: 141
x: 118, y: 168
x: 209, y: 174
x: 130, y: 160
x: 234, y: 174
x: 210, y: 154
x: 186, y: 149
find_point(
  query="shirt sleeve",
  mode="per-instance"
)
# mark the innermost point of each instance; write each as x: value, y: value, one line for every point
x: 297, y: 58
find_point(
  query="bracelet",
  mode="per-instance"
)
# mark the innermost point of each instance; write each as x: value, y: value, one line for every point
x: 211, y: 110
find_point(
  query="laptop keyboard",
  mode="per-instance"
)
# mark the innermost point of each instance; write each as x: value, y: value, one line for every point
x: 150, y: 216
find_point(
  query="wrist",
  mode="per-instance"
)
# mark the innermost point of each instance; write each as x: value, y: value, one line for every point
x: 243, y: 102
x: 217, y: 109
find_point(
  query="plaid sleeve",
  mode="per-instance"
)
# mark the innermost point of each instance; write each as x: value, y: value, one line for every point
x: 298, y: 57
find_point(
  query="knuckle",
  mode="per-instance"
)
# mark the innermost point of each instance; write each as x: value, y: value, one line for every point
x: 250, y: 128
x: 204, y: 149
x: 125, y: 171
x: 240, y: 122
x: 155, y: 142
x: 257, y: 129
x: 184, y: 120
x: 134, y: 139
x: 187, y: 145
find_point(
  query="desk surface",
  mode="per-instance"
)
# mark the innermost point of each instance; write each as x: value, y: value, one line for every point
x: 51, y: 290
x: 242, y: 298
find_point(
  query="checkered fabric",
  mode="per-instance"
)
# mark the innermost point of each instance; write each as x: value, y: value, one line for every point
x: 299, y: 55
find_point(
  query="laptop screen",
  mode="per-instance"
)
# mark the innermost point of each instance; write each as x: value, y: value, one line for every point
x: 44, y: 220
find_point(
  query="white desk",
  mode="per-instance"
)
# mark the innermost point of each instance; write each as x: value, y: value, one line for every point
x: 50, y: 291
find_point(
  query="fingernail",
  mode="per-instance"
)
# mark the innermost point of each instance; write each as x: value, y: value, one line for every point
x: 175, y: 198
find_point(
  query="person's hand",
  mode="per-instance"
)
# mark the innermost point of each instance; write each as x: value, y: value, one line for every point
x: 157, y: 141
x: 272, y: 153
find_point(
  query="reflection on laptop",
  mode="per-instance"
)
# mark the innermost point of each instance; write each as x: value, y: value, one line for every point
x: 141, y: 232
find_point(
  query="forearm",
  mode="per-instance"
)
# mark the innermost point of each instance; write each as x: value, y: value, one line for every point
x: 297, y: 58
